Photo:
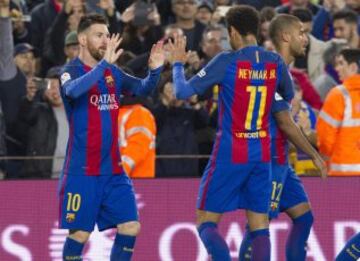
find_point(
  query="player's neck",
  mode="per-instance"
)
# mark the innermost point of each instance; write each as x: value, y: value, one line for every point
x: 245, y: 42
x: 87, y: 58
x: 285, y: 54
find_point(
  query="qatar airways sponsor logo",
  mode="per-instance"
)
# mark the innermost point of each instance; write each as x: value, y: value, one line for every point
x: 104, y: 102
x: 14, y: 240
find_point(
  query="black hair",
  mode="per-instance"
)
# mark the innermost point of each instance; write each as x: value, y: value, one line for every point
x: 351, y: 56
x: 267, y: 14
x: 303, y: 14
x: 245, y: 19
x: 349, y: 16
x: 88, y: 20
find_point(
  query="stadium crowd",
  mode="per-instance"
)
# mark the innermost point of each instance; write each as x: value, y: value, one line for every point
x: 38, y: 37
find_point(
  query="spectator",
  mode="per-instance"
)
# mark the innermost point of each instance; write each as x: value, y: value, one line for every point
x: 204, y: 12
x: 137, y: 132
x: 325, y: 82
x: 20, y: 25
x: 53, y: 76
x: 139, y: 64
x: 312, y: 62
x: 309, y: 92
x: 16, y: 65
x: 140, y: 33
x: 346, y: 27
x: 37, y: 126
x: 339, y: 120
x: 353, y: 5
x: 71, y: 48
x: 42, y: 17
x: 176, y: 123
x: 266, y: 15
x: 66, y: 21
x: 185, y: 14
x: 259, y: 4
x: 305, y: 117
x: 289, y: 7
x: 212, y: 42
x: 323, y: 27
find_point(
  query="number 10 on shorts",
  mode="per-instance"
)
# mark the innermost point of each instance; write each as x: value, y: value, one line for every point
x: 73, y: 202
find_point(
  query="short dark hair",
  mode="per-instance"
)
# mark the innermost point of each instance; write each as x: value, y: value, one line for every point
x: 303, y: 14
x: 245, y: 19
x: 349, y: 16
x: 88, y: 20
x: 280, y: 23
x: 351, y: 56
x: 267, y: 14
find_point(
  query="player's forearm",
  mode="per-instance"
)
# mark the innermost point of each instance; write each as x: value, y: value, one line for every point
x: 76, y: 88
x: 182, y: 89
x: 286, y: 123
x: 150, y: 82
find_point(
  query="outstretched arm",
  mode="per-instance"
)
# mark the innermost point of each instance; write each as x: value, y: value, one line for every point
x: 144, y: 86
x: 76, y: 88
x: 212, y: 74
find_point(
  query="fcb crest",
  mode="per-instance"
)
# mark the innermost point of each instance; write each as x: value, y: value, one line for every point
x: 70, y: 217
x: 109, y: 80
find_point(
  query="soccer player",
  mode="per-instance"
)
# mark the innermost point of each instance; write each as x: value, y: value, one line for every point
x: 351, y: 250
x: 238, y: 174
x: 288, y: 194
x: 94, y: 188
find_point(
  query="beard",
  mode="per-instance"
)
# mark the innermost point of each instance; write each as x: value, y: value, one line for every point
x: 298, y: 51
x: 97, y: 54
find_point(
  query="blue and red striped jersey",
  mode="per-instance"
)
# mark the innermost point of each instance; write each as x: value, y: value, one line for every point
x: 250, y: 80
x: 91, y: 100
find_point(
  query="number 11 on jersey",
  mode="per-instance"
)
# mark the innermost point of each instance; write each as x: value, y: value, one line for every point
x: 254, y: 92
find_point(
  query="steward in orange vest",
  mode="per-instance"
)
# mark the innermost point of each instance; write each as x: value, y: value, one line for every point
x: 338, y: 126
x: 137, y: 132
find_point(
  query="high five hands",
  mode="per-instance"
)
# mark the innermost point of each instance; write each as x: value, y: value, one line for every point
x: 177, y: 50
x: 157, y: 55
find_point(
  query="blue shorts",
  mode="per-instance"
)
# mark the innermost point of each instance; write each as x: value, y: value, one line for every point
x: 287, y: 190
x: 103, y: 200
x: 227, y: 187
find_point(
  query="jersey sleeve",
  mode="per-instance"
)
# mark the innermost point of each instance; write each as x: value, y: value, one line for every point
x: 213, y: 73
x: 285, y: 87
x: 280, y: 104
x: 285, y: 91
x: 138, y: 86
x: 73, y: 86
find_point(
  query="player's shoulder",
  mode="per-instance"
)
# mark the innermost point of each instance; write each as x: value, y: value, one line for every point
x: 69, y: 70
x: 272, y: 56
x: 224, y: 56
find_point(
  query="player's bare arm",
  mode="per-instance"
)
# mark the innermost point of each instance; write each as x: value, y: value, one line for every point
x: 294, y: 134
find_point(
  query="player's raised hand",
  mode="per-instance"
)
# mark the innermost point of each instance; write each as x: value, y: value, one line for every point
x: 157, y: 55
x: 321, y: 166
x: 177, y: 52
x: 112, y: 52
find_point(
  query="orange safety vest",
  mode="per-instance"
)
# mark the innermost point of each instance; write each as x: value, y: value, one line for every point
x: 338, y: 128
x: 137, y: 132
